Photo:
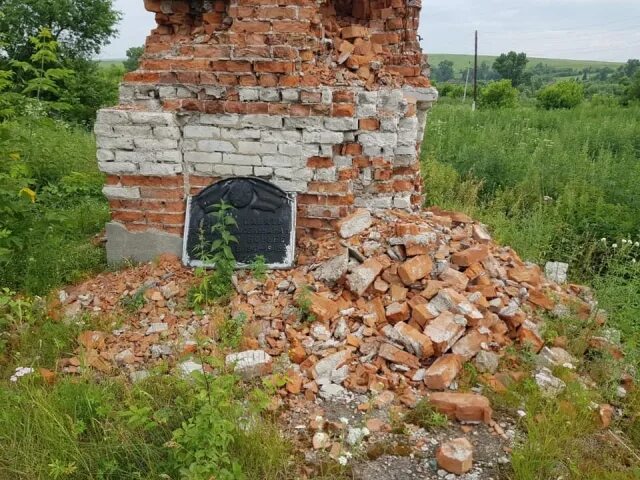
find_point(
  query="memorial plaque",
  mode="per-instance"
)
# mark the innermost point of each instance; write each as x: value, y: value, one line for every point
x: 265, y: 215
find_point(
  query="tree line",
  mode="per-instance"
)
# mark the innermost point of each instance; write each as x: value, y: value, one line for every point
x: 622, y: 83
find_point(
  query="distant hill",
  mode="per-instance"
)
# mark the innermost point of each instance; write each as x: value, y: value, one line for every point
x: 462, y: 61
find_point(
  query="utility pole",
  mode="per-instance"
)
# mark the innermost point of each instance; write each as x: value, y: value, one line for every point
x: 466, y: 84
x: 475, y: 76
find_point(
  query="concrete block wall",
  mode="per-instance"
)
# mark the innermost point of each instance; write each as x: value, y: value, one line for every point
x: 365, y: 155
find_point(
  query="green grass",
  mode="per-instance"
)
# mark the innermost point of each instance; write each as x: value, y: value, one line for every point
x: 549, y: 182
x: 49, y: 241
x: 461, y: 62
x: 111, y: 63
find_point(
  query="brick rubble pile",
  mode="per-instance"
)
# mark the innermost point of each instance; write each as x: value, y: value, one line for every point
x: 392, y: 304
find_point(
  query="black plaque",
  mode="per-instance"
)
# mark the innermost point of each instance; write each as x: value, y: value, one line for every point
x: 265, y: 215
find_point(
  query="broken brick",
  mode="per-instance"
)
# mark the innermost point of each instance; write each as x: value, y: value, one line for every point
x: 415, y: 269
x: 464, y: 407
x: 443, y: 372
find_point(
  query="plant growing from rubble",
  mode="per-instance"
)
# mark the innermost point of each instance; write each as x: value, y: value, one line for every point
x: 231, y: 330
x: 216, y: 286
x: 425, y: 416
x: 133, y: 303
x: 303, y: 301
x: 259, y: 268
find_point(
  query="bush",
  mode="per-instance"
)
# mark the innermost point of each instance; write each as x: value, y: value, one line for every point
x: 500, y: 94
x: 566, y: 94
x: 632, y: 92
x: 450, y: 90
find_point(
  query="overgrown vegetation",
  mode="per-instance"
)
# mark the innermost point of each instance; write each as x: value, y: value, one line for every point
x: 51, y: 204
x: 83, y: 428
x: 557, y: 185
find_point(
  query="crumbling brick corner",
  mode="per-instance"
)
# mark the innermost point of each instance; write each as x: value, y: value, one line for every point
x: 325, y: 98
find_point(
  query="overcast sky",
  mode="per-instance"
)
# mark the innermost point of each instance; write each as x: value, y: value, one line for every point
x: 579, y: 29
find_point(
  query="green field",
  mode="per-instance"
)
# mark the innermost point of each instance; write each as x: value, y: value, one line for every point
x: 110, y: 63
x: 463, y: 61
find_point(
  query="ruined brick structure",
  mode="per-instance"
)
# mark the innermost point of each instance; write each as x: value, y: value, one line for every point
x: 325, y: 98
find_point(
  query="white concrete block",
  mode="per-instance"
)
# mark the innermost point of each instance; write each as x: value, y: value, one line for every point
x: 216, y: 146
x: 322, y: 137
x: 308, y: 123
x: 152, y: 118
x: 172, y: 133
x: 238, y: 159
x: 105, y: 155
x: 278, y: 161
x: 155, y: 144
x: 239, y: 133
x: 341, y: 124
x: 290, y: 95
x: 135, y: 131
x: 203, y: 157
x: 242, y: 170
x: 125, y: 193
x: 200, y: 131
x: 110, y: 116
x: 256, y: 148
x: 262, y: 121
x: 169, y: 156
x: 227, y: 120
x: 290, y: 149
x: 160, y: 169
x: 117, y: 167
x: 281, y: 136
x: 269, y: 95
x: 248, y: 94
x: 263, y: 171
x: 113, y: 143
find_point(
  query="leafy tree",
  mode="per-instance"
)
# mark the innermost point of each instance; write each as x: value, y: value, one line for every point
x: 91, y: 87
x: 603, y: 73
x: 631, y: 67
x: 43, y: 75
x: 133, y: 58
x: 444, y: 71
x: 632, y: 92
x: 486, y: 73
x: 500, y: 94
x: 565, y: 94
x: 81, y: 27
x: 512, y: 66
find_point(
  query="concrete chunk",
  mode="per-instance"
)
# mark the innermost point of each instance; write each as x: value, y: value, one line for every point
x: 363, y: 276
x: 355, y: 223
x: 250, y: 364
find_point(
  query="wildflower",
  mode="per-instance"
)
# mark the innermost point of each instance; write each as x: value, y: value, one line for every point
x: 603, y: 240
x: 342, y: 460
x: 637, y: 244
x: 615, y: 245
x: 633, y: 260
x: 21, y: 372
x: 624, y: 240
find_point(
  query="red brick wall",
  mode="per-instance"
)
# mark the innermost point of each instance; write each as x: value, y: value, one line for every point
x: 283, y: 43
